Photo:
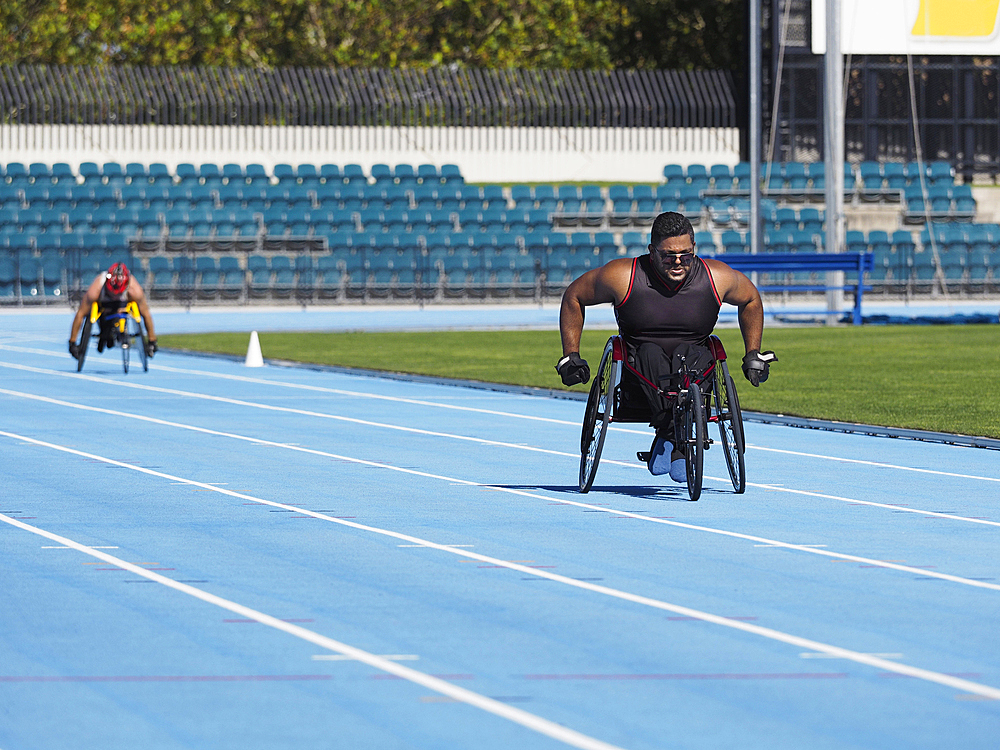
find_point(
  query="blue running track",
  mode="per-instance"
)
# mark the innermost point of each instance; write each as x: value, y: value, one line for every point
x: 211, y: 556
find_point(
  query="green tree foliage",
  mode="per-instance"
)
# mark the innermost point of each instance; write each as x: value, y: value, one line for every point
x: 681, y: 34
x: 594, y: 34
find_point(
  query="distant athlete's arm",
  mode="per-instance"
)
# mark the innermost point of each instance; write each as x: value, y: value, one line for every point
x: 137, y: 295
x: 89, y: 298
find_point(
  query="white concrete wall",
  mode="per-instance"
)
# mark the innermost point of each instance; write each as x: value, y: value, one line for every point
x: 483, y: 154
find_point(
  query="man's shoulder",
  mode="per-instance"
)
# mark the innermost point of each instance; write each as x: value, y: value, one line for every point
x: 622, y: 263
x: 617, y: 269
x: 714, y: 263
x: 719, y: 268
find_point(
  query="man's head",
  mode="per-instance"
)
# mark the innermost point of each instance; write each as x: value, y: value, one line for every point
x: 116, y: 279
x: 671, y: 248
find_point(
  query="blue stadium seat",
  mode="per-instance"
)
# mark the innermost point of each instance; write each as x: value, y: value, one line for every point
x: 940, y: 173
x: 450, y: 173
x: 786, y: 218
x: 136, y: 174
x: 233, y: 173
x: 159, y: 174
x: 39, y: 172
x: 568, y: 193
x: 112, y: 173
x: 255, y: 174
x: 674, y: 172
x: 284, y: 173
x: 404, y: 174
x: 353, y: 173
x: 186, y: 173
x: 16, y: 174
x: 855, y: 241
x: 381, y: 172
x: 964, y: 204
x: 733, y: 241
x: 427, y: 174
x: 872, y: 178
x: 62, y: 174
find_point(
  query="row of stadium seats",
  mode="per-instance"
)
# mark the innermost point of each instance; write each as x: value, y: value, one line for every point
x: 777, y: 238
x: 869, y: 181
x: 942, y: 202
x: 870, y: 173
x: 138, y: 186
x: 716, y: 175
x: 966, y: 255
x: 113, y: 173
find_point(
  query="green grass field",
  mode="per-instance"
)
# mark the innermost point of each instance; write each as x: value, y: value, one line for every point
x: 944, y: 378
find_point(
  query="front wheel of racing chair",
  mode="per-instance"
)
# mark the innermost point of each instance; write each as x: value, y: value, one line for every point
x: 128, y: 331
x: 600, y: 404
x: 691, y: 427
x: 729, y: 418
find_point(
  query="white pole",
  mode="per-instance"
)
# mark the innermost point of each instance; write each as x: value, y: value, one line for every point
x: 833, y: 140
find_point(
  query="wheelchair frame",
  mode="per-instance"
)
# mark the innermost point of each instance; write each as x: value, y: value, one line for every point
x: 128, y: 328
x: 693, y: 410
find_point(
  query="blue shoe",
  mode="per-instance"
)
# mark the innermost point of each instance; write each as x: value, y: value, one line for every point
x: 659, y: 457
x: 678, y: 470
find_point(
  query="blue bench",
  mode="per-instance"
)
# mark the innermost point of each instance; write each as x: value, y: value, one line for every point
x: 858, y: 263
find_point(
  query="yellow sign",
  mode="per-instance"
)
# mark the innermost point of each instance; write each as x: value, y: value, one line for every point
x: 956, y: 18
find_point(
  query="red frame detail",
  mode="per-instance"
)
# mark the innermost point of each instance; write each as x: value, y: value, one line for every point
x: 718, y: 350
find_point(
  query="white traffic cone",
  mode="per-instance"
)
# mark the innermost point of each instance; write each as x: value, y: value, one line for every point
x: 254, y: 357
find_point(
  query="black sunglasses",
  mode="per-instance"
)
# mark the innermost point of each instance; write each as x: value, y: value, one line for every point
x: 685, y: 259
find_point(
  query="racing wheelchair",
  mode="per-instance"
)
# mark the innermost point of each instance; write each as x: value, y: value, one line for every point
x: 126, y: 327
x: 697, y: 398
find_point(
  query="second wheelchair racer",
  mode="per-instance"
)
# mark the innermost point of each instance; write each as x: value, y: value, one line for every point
x: 667, y: 304
x: 112, y: 291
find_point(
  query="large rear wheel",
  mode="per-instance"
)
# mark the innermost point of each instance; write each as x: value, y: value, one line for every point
x: 730, y: 420
x: 693, y: 427
x: 596, y: 418
x: 84, y: 343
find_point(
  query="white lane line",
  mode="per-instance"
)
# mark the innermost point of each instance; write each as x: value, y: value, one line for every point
x: 876, y: 463
x: 517, y: 446
x: 769, y: 633
x: 289, y: 410
x: 388, y: 657
x: 418, y: 402
x: 809, y: 655
x: 321, y: 389
x: 503, y: 710
x: 764, y: 542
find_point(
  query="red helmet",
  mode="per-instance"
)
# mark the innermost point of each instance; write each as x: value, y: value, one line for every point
x: 116, y: 279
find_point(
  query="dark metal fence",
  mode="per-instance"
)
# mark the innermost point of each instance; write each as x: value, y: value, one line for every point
x: 39, y: 94
x: 957, y: 111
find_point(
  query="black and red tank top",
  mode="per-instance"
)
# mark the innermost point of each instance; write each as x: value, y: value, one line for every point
x: 651, y: 312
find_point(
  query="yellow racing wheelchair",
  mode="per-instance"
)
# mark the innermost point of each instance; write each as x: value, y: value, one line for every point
x: 122, y: 329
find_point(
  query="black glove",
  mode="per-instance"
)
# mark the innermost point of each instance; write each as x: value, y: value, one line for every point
x: 572, y: 369
x: 151, y: 347
x: 756, y: 366
x: 74, y: 350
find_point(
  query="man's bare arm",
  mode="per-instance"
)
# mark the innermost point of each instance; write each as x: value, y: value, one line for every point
x: 600, y: 286
x: 89, y: 298
x: 138, y: 296
x: 736, y: 289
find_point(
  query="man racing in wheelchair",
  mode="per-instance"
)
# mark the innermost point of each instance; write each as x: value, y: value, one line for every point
x: 667, y: 304
x: 112, y: 291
